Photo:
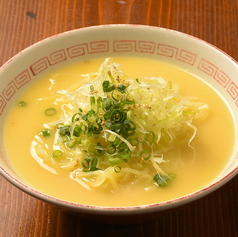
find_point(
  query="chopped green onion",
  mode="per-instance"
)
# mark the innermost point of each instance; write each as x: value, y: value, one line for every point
x: 117, y: 116
x: 151, y: 137
x: 117, y: 169
x: 128, y: 102
x: 50, y: 111
x: 112, y: 137
x: 99, y: 150
x: 114, y: 141
x: 121, y: 88
x: 122, y: 146
x: 98, y: 120
x: 88, y: 114
x: 96, y: 128
x: 130, y: 115
x: 22, y: 103
x: 77, y: 130
x: 161, y: 180
x: 124, y: 154
x: 93, y: 164
x: 172, y: 175
x: 91, y: 88
x: 145, y: 155
x: 99, y: 102
x: 89, y: 164
x: 84, y: 128
x: 115, y: 161
x: 107, y: 86
x: 45, y: 132
x: 57, y: 153
x: 117, y: 95
x: 134, y: 142
x: 65, y: 138
x: 107, y: 104
x: 111, y: 149
x: 110, y: 75
x: 85, y: 163
x: 92, y: 100
x: 65, y: 130
x: 72, y: 142
x: 141, y: 137
x: 129, y: 128
x: 76, y: 117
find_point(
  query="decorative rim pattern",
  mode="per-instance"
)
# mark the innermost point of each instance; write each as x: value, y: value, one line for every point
x: 122, y: 46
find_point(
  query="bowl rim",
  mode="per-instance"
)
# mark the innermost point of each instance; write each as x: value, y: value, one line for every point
x: 124, y: 210
x: 117, y: 26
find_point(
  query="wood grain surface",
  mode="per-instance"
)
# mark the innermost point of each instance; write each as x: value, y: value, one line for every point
x: 24, y: 22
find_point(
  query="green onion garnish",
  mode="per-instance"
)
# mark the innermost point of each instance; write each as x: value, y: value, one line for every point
x: 128, y: 102
x: 64, y: 131
x: 121, y: 88
x: 50, y: 111
x: 45, y: 132
x: 71, y: 143
x: 98, y: 150
x: 22, y: 103
x: 115, y: 161
x: 161, y: 180
x: 107, y: 86
x: 145, y: 155
x: 96, y: 128
x: 124, y: 154
x: 85, y: 163
x: 151, y: 137
x: 92, y: 100
x: 117, y: 95
x: 117, y: 116
x: 117, y: 169
x: 91, y: 88
x: 111, y: 149
x: 141, y: 137
x: 90, y: 164
x: 76, y: 117
x: 111, y: 128
x: 57, y: 153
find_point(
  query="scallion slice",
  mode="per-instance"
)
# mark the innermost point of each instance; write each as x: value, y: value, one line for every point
x: 145, y: 155
x: 45, y: 132
x: 57, y: 153
x: 50, y: 111
x: 161, y: 180
x: 111, y: 149
x: 117, y: 169
x: 22, y: 103
x: 115, y: 161
x: 117, y: 95
x: 107, y: 86
x: 98, y: 150
x: 141, y: 137
x: 124, y: 154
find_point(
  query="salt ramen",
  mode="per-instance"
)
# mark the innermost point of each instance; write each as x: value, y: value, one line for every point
x: 194, y: 167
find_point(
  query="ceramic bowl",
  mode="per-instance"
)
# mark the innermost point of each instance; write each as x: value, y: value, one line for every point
x: 215, y: 67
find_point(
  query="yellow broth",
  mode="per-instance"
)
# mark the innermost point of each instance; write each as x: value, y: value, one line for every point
x: 214, y: 140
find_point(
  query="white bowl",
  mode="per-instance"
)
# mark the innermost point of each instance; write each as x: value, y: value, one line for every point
x: 200, y: 58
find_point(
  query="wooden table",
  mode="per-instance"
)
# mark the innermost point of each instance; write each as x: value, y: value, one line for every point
x: 24, y: 22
